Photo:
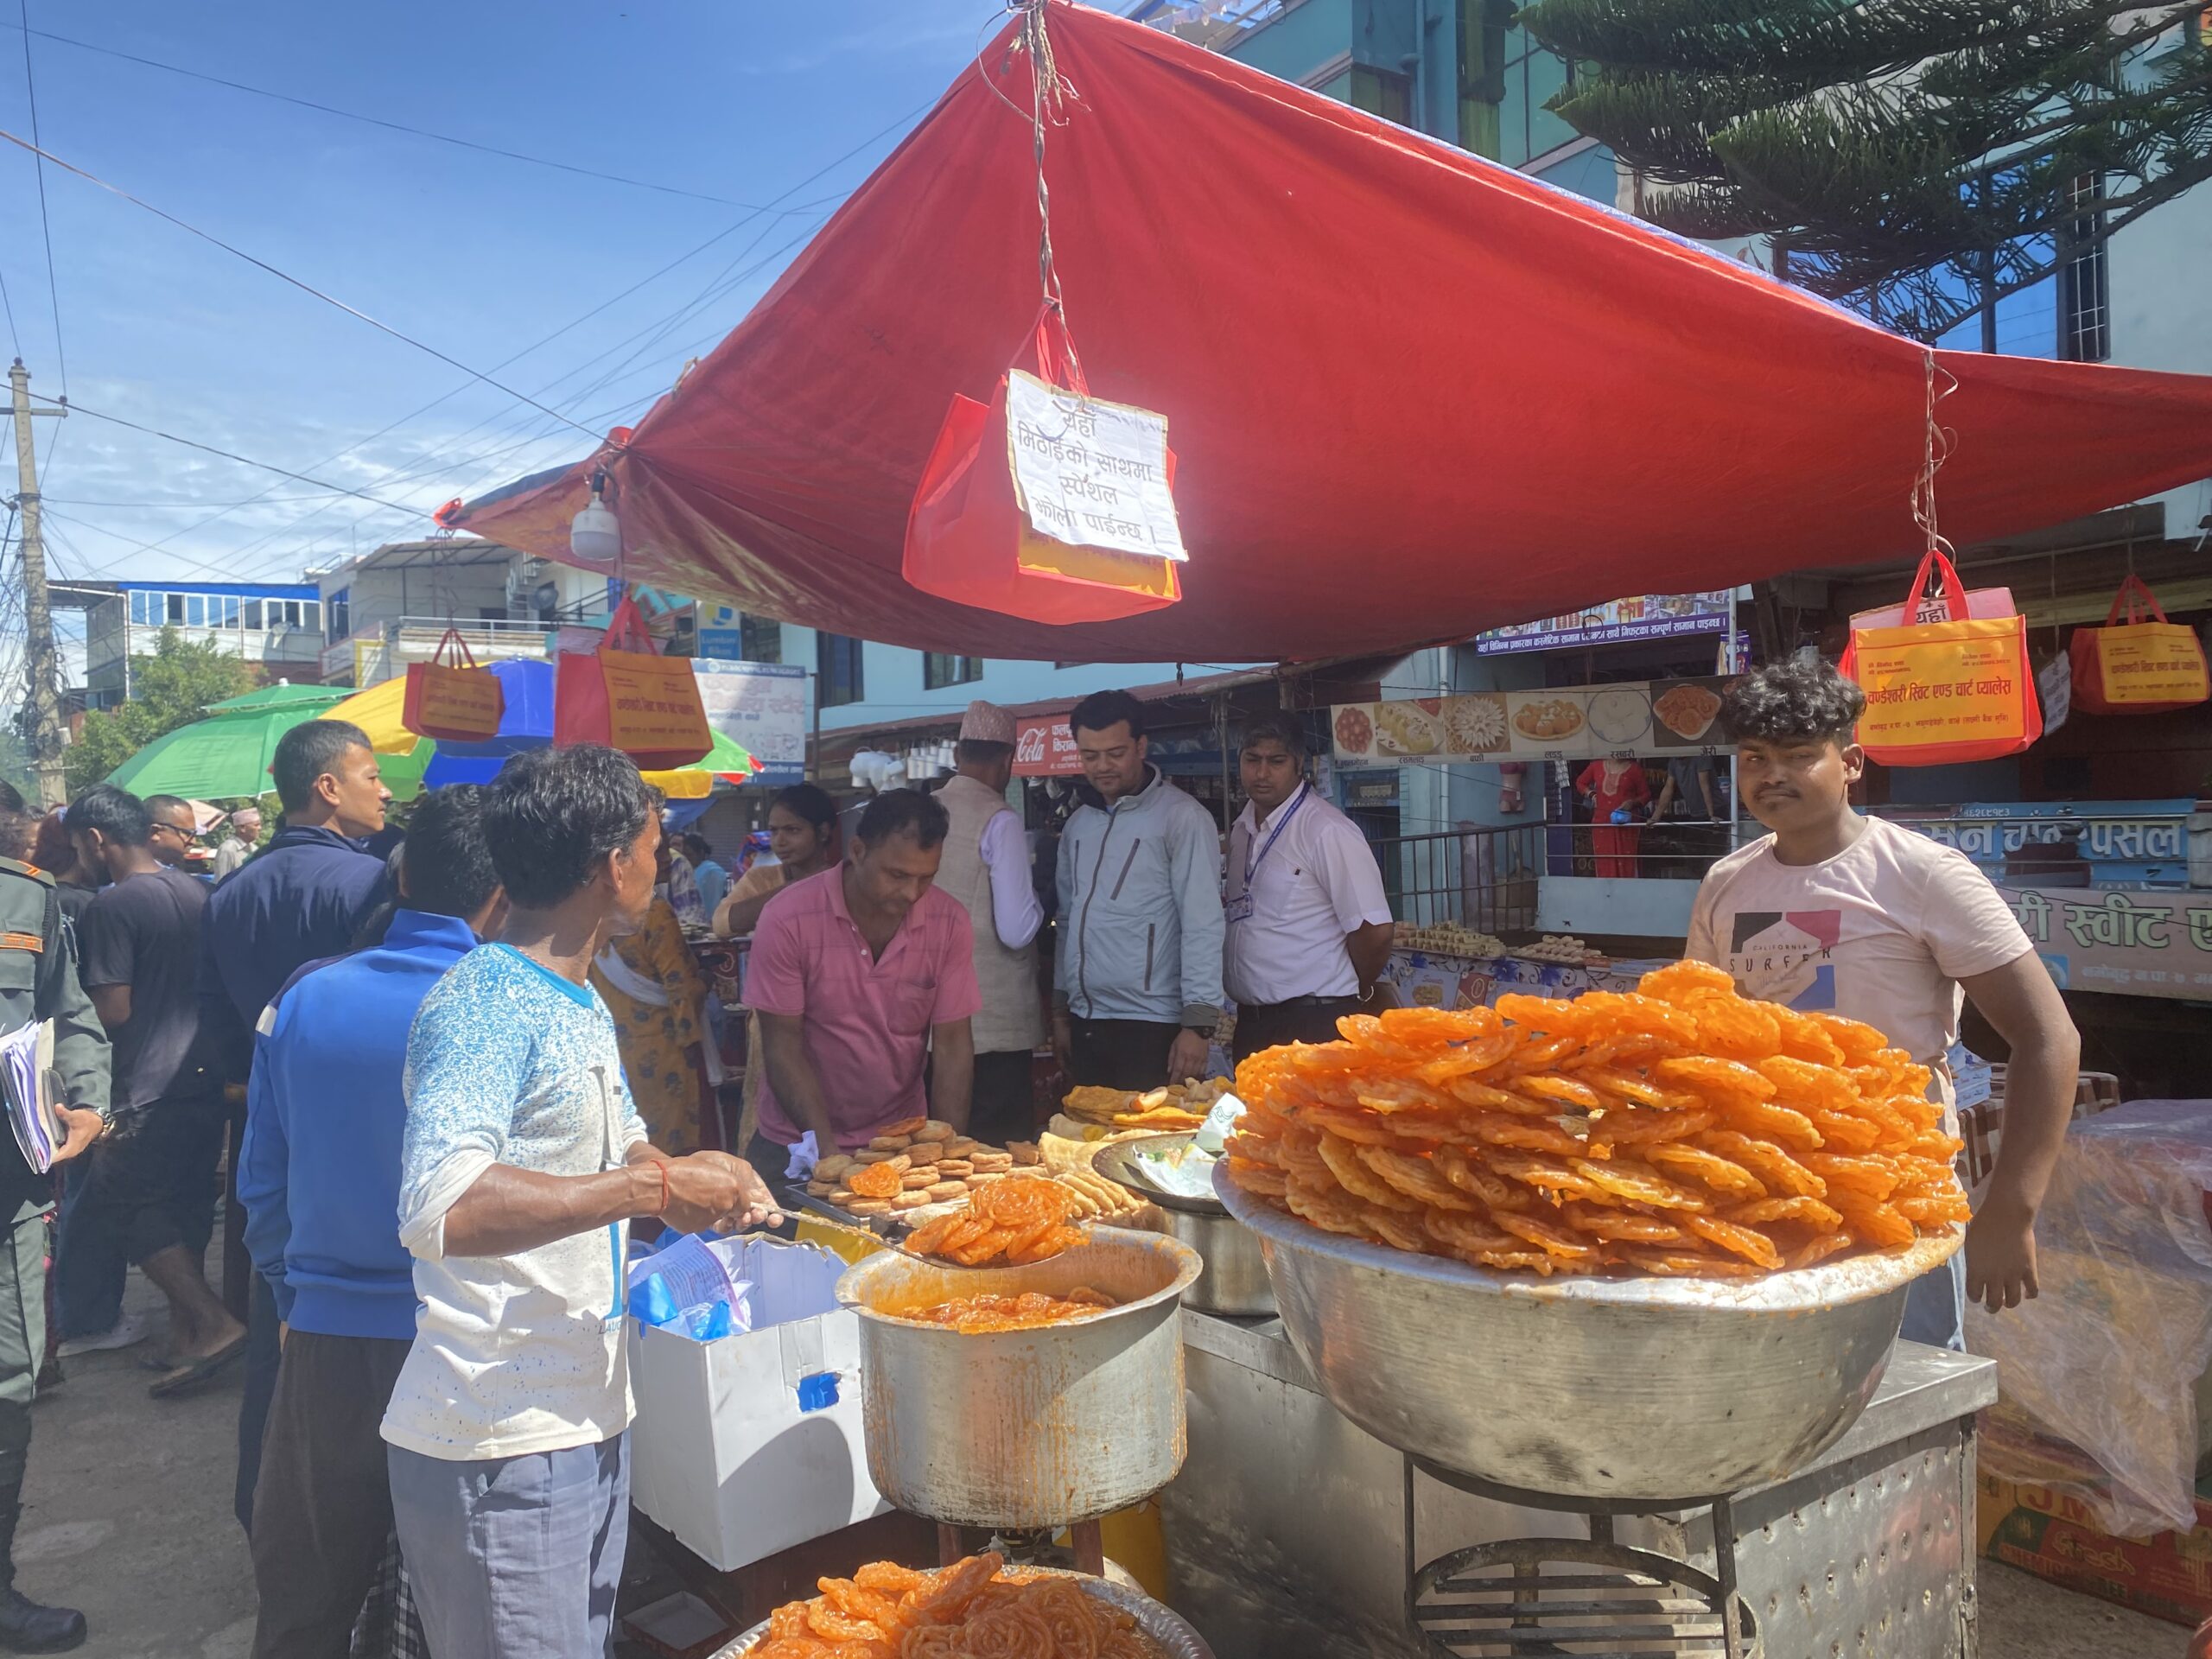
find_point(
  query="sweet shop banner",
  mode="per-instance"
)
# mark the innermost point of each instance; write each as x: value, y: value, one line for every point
x: 1662, y: 717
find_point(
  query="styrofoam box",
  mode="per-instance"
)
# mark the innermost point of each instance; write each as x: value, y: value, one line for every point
x: 728, y: 1452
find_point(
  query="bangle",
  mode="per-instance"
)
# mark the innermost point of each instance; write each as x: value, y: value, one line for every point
x: 661, y: 1164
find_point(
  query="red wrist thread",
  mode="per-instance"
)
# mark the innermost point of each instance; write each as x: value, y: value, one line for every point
x: 662, y: 1163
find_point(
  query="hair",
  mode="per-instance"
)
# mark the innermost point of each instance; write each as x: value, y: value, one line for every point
x: 17, y: 824
x: 551, y: 816
x: 808, y: 801
x: 980, y: 752
x: 903, y: 812
x: 1279, y: 725
x: 446, y: 860
x: 1792, y: 702
x: 119, y: 816
x: 695, y: 844
x: 169, y: 803
x: 1103, y: 708
x: 51, y: 847
x: 312, y: 749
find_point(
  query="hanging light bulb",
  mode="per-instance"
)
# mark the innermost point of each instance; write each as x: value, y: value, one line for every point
x: 595, y: 534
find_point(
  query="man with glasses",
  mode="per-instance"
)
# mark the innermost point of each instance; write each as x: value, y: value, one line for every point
x: 174, y: 828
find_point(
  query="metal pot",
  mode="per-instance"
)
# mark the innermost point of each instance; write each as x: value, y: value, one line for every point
x: 1584, y: 1387
x: 1169, y: 1632
x: 1025, y: 1428
x: 1235, y: 1282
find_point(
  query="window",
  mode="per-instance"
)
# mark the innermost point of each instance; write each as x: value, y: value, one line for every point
x: 837, y: 667
x: 760, y: 640
x: 141, y: 607
x: 939, y: 671
x: 1516, y: 128
x: 2084, y: 282
x: 173, y: 608
x: 195, y: 610
x: 1380, y: 91
x: 253, y: 615
x: 1482, y: 25
x: 341, y: 606
x: 311, y: 613
x: 230, y: 612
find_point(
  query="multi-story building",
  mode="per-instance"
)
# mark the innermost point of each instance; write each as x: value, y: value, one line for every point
x: 393, y: 606
x: 276, y: 628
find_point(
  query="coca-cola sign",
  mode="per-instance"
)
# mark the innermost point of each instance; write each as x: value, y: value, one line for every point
x: 1044, y: 748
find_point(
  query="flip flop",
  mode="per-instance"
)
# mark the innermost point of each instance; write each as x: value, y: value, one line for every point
x: 198, y: 1370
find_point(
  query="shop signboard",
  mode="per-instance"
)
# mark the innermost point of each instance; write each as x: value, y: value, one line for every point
x: 2144, y: 942
x: 722, y: 645
x: 1646, y: 616
x: 1654, y: 717
x: 1044, y: 748
x: 2124, y: 844
x: 761, y: 706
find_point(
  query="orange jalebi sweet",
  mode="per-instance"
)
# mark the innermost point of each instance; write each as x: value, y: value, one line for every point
x: 971, y: 1611
x: 1681, y: 1130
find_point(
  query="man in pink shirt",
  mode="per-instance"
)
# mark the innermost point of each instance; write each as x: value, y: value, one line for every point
x: 859, y: 976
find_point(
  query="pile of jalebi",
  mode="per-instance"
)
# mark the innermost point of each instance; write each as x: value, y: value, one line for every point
x: 989, y: 1310
x: 1681, y: 1130
x: 1011, y: 1223
x: 964, y: 1612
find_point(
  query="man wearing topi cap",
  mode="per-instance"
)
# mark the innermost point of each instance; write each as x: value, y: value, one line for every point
x: 987, y: 869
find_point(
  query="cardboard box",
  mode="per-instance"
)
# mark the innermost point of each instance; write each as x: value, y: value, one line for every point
x: 2055, y: 1537
x: 751, y: 1444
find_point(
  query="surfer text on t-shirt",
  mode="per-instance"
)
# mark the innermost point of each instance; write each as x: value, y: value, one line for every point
x: 1836, y: 911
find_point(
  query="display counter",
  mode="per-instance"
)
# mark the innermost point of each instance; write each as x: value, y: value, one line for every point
x: 1287, y: 1528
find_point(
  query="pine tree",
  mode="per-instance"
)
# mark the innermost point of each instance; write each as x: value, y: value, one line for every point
x: 1917, y: 157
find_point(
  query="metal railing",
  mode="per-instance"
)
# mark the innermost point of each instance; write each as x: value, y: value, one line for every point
x: 1663, y: 849
x: 1483, y: 876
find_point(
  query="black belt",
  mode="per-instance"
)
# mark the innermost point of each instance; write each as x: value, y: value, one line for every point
x: 1298, y: 1002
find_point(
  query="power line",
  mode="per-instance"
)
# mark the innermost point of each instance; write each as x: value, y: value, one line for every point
x: 46, y: 228
x: 281, y: 275
x: 13, y: 336
x: 393, y: 126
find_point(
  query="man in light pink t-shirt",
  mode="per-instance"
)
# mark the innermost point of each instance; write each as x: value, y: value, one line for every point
x: 863, y: 977
x: 1851, y: 915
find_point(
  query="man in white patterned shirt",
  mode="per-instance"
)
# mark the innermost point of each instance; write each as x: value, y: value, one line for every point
x: 523, y: 1163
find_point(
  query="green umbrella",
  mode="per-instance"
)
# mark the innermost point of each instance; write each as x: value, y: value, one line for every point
x: 227, y: 754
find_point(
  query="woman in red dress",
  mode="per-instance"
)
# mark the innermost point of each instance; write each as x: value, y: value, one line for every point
x: 1612, y: 786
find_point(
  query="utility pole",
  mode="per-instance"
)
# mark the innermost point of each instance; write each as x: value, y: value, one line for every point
x: 44, y: 728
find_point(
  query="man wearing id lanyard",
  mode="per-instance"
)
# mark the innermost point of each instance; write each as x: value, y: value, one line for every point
x: 1309, y: 925
x: 523, y: 1162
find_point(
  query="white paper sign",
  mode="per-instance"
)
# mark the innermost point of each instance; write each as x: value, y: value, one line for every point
x: 2055, y: 685
x: 1089, y: 473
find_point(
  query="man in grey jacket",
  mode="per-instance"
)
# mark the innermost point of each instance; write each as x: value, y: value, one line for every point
x: 1138, y: 988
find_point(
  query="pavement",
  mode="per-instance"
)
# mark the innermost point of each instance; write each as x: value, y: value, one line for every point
x: 127, y: 1515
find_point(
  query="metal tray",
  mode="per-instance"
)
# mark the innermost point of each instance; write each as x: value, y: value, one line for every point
x: 1176, y: 1637
x: 1652, y: 1388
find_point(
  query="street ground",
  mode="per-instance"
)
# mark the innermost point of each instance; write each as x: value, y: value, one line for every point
x: 127, y: 1515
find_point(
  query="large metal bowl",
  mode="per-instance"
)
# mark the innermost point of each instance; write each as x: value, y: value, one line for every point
x: 1174, y: 1637
x: 1235, y: 1282
x: 1587, y: 1387
x: 1025, y: 1428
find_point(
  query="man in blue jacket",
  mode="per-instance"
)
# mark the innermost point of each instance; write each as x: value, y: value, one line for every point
x: 320, y: 1178
x: 1137, y: 992
x: 302, y: 899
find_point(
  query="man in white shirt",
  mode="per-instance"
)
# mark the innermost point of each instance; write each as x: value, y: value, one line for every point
x: 240, y: 837
x: 1308, y: 922
x: 987, y: 868
x: 523, y: 1162
x: 1851, y: 915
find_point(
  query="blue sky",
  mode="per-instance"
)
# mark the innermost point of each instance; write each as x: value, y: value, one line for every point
x: 479, y: 256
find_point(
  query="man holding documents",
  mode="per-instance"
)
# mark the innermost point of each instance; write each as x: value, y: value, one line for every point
x: 38, y: 982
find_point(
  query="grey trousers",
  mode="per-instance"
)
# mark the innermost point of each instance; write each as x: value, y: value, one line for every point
x: 515, y: 1558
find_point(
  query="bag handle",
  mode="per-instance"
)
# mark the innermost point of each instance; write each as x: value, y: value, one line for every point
x: 462, y: 656
x: 2136, y: 595
x: 1955, y: 591
x: 627, y: 630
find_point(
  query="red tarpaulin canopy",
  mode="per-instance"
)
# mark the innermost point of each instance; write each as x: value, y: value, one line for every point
x: 1414, y: 394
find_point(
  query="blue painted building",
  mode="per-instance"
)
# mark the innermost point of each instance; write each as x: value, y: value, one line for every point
x: 275, y: 627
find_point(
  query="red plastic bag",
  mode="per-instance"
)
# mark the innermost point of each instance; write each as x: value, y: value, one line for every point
x: 969, y: 540
x: 453, y: 699
x: 629, y: 697
x: 2145, y: 665
x: 1953, y: 688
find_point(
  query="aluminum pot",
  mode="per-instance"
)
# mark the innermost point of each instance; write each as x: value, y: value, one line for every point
x: 1584, y: 1387
x: 1235, y: 1282
x: 1025, y: 1428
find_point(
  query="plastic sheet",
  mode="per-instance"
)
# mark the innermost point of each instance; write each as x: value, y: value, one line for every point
x: 2098, y: 1377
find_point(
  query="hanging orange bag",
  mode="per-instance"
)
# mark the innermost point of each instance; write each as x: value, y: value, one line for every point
x: 969, y: 538
x: 2145, y: 665
x: 453, y: 698
x: 1954, y: 688
x: 629, y: 697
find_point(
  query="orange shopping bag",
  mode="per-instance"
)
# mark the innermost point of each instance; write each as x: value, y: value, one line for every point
x: 2145, y: 665
x: 629, y: 697
x: 1953, y: 688
x: 453, y: 699
x: 970, y: 539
